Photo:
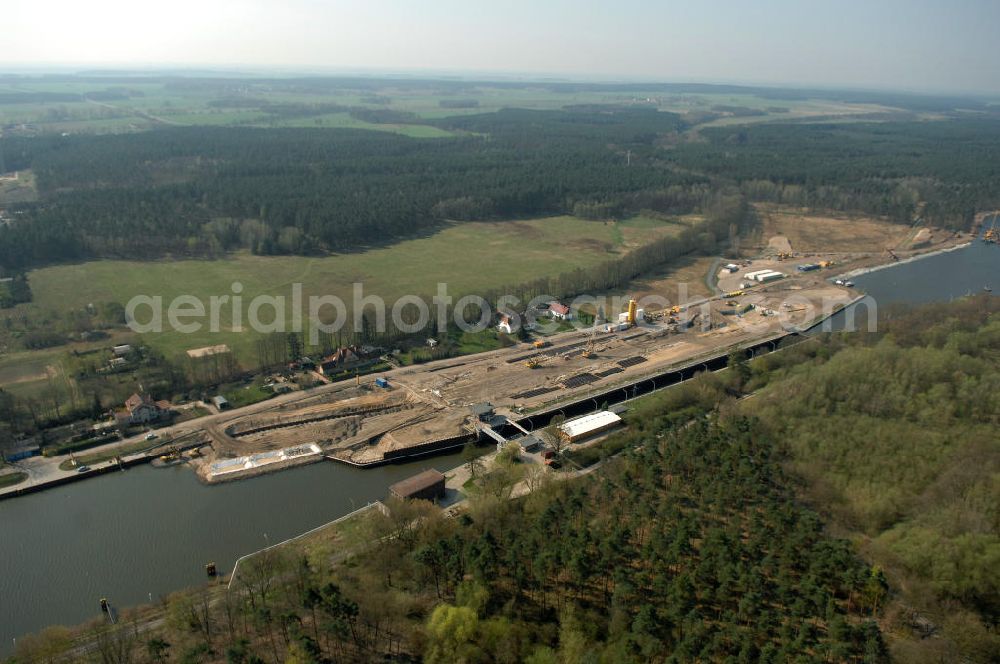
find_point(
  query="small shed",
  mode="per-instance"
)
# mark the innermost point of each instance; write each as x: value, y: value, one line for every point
x: 428, y: 485
x: 220, y: 402
x: 530, y: 443
x: 483, y: 411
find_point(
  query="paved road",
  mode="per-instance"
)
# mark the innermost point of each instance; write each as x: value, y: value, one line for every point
x: 42, y: 470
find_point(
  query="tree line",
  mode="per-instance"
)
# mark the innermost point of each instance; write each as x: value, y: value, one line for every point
x: 688, y: 548
x: 204, y: 191
x: 942, y: 171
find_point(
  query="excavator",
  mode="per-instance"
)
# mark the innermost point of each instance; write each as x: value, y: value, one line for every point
x: 588, y: 350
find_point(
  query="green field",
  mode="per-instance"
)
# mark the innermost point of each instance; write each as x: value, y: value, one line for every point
x: 34, y: 373
x: 468, y: 257
x: 18, y: 190
x: 206, y: 105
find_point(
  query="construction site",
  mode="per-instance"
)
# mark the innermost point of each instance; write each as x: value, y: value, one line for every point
x: 410, y: 409
x: 421, y: 409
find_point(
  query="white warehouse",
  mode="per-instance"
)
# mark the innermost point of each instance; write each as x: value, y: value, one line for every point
x: 588, y: 425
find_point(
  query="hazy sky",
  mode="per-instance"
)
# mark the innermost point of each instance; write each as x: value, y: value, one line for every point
x: 903, y: 44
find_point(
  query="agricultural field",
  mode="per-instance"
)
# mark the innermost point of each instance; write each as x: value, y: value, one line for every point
x: 467, y: 257
x: 232, y: 102
x: 33, y: 373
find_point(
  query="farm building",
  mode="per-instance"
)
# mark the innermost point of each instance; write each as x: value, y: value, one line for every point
x: 560, y: 311
x: 428, y: 485
x: 588, y: 425
x: 208, y: 351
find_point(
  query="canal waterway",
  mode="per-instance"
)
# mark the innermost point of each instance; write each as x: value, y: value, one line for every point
x: 148, y: 531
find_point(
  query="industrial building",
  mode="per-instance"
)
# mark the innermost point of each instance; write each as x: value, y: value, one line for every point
x: 588, y: 425
x: 770, y: 275
x: 428, y: 485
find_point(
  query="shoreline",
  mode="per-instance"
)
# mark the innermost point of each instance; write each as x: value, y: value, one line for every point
x: 857, y: 272
x: 32, y: 487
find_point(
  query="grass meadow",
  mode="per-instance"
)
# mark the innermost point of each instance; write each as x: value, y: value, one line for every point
x: 467, y: 257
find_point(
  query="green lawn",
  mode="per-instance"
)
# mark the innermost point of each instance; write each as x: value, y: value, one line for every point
x: 244, y: 395
x: 467, y: 257
x: 35, y: 373
x: 95, y: 458
x: 10, y: 479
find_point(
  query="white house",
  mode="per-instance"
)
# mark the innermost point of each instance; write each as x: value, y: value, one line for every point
x: 142, y: 409
x: 560, y: 311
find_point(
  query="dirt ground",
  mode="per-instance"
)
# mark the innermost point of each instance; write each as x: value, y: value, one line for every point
x: 794, y: 229
x: 361, y: 423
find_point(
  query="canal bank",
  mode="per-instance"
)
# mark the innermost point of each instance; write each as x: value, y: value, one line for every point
x: 148, y: 531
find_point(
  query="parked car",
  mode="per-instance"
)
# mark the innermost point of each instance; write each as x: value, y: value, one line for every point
x: 151, y: 436
x: 82, y: 469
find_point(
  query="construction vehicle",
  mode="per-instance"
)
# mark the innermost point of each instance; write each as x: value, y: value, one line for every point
x: 674, y: 310
x: 783, y: 255
x: 735, y: 293
x: 533, y: 363
x: 825, y: 264
x: 541, y: 343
